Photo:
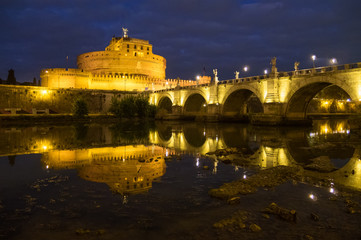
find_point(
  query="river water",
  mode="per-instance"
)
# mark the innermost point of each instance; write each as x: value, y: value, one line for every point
x: 144, y: 180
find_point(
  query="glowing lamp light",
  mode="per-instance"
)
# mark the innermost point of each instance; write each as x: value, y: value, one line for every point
x: 312, y: 197
x: 45, y: 147
x: 245, y: 68
x: 265, y: 71
x: 244, y: 176
x: 44, y: 92
x: 333, y: 61
x: 313, y: 57
x: 332, y: 189
x: 198, y: 77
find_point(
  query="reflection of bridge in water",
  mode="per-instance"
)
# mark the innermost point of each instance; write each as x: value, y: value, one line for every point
x: 270, y: 147
x: 131, y: 168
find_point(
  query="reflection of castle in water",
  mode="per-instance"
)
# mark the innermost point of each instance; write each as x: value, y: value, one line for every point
x: 126, y: 169
x: 332, y: 141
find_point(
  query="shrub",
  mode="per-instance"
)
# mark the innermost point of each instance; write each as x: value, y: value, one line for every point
x: 132, y: 106
x: 80, y: 108
x: 115, y: 107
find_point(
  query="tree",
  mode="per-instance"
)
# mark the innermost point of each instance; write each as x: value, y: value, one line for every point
x: 132, y: 106
x: 80, y: 108
x: 141, y: 105
x: 115, y: 107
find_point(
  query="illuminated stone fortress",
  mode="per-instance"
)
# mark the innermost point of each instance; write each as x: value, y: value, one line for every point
x: 127, y: 64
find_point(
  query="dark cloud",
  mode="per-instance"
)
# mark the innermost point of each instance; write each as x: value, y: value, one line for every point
x: 190, y: 34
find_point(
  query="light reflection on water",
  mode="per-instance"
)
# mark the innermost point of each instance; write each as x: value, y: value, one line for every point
x: 100, y: 153
x: 130, y: 161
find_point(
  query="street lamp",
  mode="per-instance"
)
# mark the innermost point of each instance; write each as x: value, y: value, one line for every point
x: 333, y: 61
x: 265, y: 71
x: 313, y: 60
x: 245, y: 68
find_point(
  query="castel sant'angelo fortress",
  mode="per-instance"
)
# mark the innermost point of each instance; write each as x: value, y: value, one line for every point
x: 126, y: 64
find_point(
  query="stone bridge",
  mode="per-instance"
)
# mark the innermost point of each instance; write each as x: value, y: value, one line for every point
x: 275, y: 98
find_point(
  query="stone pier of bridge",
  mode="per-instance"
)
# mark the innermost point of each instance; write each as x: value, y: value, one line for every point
x: 273, y: 99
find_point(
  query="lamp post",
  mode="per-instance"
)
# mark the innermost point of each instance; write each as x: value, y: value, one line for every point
x: 313, y: 60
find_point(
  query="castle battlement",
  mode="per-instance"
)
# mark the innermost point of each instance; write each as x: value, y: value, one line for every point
x: 126, y: 64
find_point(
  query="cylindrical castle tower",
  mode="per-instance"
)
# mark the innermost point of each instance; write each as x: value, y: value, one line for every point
x: 124, y: 56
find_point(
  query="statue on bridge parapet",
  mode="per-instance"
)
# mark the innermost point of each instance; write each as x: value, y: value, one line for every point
x: 215, y: 72
x: 296, y: 66
x: 273, y: 63
x: 237, y: 74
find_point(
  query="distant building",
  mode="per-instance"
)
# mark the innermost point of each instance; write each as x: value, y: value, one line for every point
x: 11, y: 80
x: 127, y: 64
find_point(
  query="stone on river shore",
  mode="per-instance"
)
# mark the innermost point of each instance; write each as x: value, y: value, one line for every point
x: 267, y: 178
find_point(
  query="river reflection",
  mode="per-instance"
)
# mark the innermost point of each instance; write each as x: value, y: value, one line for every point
x: 131, y: 168
x: 151, y: 180
x: 126, y: 169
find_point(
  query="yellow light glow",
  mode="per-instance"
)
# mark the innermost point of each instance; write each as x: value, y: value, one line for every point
x: 324, y: 128
x: 340, y: 105
x: 325, y: 103
x: 44, y: 92
x: 265, y: 95
x: 359, y: 91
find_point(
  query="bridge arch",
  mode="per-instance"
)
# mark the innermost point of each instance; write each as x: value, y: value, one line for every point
x: 195, y: 102
x: 300, y: 95
x: 165, y: 102
x: 241, y: 100
x: 160, y: 96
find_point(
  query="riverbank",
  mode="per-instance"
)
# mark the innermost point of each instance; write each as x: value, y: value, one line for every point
x: 56, y: 119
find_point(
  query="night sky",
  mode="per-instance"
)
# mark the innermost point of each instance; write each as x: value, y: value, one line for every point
x: 190, y: 34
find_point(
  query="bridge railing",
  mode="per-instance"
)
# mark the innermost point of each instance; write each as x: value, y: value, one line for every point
x: 302, y: 72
